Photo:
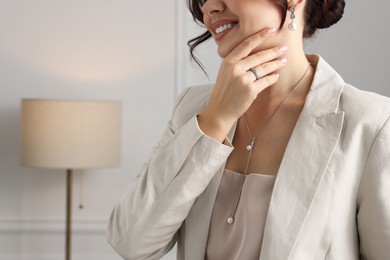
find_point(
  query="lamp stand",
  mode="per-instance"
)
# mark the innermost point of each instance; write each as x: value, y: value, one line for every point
x: 68, y: 243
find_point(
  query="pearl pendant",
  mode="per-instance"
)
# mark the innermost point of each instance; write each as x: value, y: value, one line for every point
x: 293, y: 26
x: 250, y: 146
x: 230, y: 220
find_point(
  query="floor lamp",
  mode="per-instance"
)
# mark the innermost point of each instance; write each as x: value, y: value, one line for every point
x: 64, y: 134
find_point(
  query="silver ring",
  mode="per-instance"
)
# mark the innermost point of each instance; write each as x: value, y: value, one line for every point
x: 254, y: 71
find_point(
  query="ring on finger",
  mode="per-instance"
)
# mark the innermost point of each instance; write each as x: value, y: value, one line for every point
x: 256, y: 73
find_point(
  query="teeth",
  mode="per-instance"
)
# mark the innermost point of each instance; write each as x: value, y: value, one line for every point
x: 224, y: 27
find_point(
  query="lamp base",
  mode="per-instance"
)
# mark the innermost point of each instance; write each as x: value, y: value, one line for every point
x: 68, y: 232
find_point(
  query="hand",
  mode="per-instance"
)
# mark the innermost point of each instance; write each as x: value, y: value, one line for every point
x: 236, y: 87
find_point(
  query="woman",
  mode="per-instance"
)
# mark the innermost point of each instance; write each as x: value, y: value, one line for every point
x: 279, y: 159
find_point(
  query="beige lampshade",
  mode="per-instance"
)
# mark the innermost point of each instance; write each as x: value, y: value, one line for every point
x: 70, y: 134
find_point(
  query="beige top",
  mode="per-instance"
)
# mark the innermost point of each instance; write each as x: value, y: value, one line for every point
x: 243, y: 238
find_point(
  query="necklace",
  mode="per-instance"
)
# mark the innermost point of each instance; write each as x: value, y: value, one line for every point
x: 250, y: 146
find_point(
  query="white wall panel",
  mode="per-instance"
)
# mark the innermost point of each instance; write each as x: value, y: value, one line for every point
x: 79, y: 49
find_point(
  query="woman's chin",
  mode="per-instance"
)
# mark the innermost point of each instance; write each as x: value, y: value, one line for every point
x: 223, y: 51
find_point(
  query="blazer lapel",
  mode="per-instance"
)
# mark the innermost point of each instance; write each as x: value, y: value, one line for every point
x: 198, y: 220
x: 305, y: 160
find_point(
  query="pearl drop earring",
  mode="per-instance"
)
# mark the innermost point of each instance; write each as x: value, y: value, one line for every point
x: 293, y: 25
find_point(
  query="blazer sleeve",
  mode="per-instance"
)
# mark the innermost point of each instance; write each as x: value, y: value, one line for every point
x: 145, y: 222
x: 374, y: 200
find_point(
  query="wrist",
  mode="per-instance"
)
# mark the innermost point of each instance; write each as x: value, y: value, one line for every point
x: 213, y: 126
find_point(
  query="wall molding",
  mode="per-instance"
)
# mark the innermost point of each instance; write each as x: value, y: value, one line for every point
x: 52, y: 226
x: 58, y: 257
x: 24, y: 231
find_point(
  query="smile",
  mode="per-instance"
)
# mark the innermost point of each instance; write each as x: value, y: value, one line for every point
x: 225, y: 27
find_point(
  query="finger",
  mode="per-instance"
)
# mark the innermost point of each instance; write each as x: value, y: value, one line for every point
x: 265, y: 82
x: 261, y: 57
x: 250, y: 43
x: 267, y: 68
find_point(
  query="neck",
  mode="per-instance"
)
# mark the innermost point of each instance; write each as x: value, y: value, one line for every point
x: 290, y: 75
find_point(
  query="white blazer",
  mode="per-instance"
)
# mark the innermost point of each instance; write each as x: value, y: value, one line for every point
x: 331, y: 197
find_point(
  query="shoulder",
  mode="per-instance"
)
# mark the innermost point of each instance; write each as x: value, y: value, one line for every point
x: 361, y: 108
x: 189, y: 103
x: 366, y: 107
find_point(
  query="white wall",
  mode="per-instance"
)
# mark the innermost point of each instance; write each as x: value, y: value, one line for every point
x: 81, y: 49
x: 133, y: 51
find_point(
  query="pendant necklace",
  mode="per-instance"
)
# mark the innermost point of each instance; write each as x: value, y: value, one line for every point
x: 251, y: 145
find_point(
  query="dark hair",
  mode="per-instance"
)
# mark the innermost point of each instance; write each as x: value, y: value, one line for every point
x: 319, y: 14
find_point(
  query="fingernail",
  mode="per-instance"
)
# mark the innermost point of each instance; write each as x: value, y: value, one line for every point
x: 283, y: 61
x: 271, y: 30
x: 283, y: 48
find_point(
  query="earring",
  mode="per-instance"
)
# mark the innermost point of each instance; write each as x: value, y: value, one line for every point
x: 293, y: 25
